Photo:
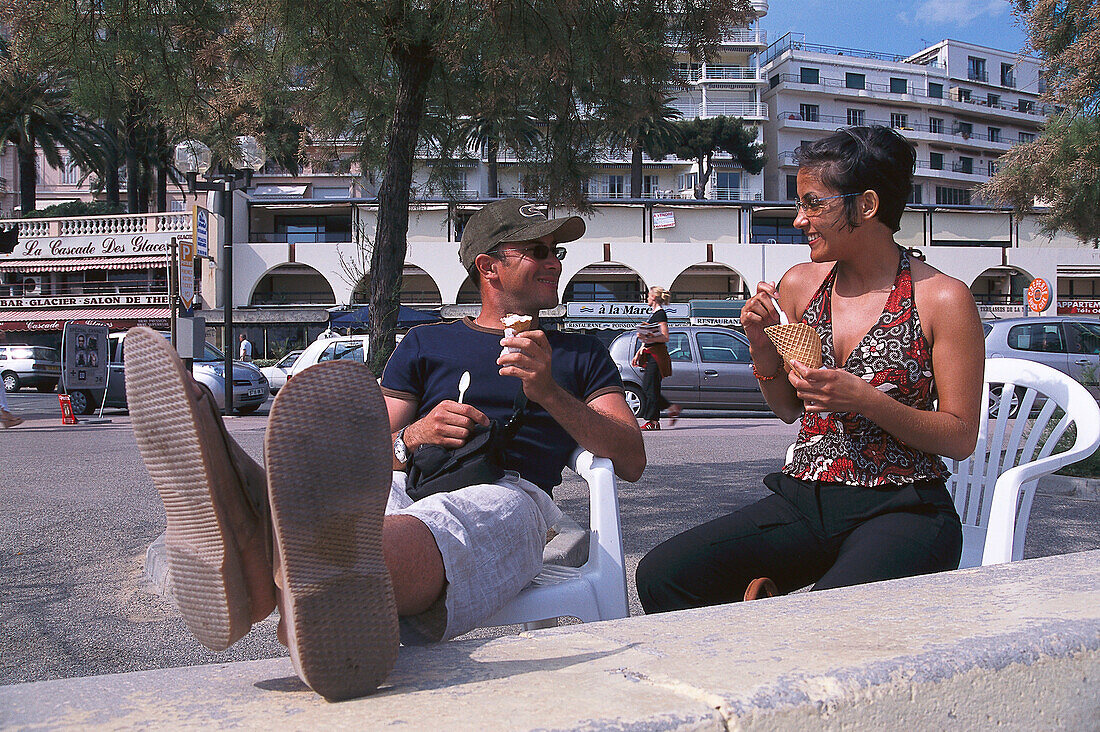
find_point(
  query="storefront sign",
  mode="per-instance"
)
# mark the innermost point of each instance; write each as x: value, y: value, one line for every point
x: 628, y: 312
x: 82, y: 246
x: 1079, y: 307
x: 989, y: 312
x: 201, y: 231
x: 1038, y: 295
x: 187, y: 273
x: 82, y: 301
x: 724, y: 322
x: 664, y: 219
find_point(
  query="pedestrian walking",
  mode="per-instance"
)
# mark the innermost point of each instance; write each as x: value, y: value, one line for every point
x: 246, y: 349
x: 652, y: 357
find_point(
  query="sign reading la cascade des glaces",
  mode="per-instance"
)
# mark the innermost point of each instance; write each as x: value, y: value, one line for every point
x: 39, y: 251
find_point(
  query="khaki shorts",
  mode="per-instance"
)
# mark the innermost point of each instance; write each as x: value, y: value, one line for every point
x: 491, y: 537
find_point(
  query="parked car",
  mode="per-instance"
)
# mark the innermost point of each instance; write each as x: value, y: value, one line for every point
x: 711, y: 369
x: 276, y: 375
x: 37, y: 366
x: 1068, y: 343
x: 249, y: 385
x: 340, y: 348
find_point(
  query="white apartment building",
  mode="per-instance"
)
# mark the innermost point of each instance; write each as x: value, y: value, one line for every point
x: 962, y: 105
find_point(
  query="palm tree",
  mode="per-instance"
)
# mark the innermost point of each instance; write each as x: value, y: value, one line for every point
x: 35, y: 112
x: 646, y: 124
x: 490, y: 129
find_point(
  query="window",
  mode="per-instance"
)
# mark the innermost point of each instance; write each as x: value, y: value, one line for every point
x: 774, y: 230
x: 899, y: 86
x: 650, y: 184
x: 935, y: 161
x: 722, y: 348
x: 899, y: 121
x: 966, y: 165
x: 773, y: 81
x: 992, y: 168
x: 1007, y: 77
x: 966, y: 129
x: 679, y: 349
x: 855, y: 81
x: 1043, y: 337
x: 856, y: 117
x: 809, y: 76
x: 975, y: 69
x: 343, y: 351
x: 685, y: 181
x: 935, y: 124
x: 727, y: 186
x: 308, y: 229
x: 964, y: 95
x: 809, y: 112
x: 915, y: 194
x: 1027, y: 137
x: 177, y: 204
x: 994, y: 134
x: 1083, y: 338
x: 610, y: 291
x: 935, y: 90
x: 993, y: 100
x: 614, y: 186
x: 952, y: 196
x: 1026, y: 105
x: 792, y: 188
x: 70, y: 172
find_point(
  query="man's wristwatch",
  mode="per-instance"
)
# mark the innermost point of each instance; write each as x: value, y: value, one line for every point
x: 400, y: 451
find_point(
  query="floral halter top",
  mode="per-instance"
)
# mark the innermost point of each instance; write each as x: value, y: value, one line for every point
x: 895, y: 358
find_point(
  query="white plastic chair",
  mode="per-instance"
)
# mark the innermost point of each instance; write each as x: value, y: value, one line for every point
x: 594, y: 591
x: 1032, y: 406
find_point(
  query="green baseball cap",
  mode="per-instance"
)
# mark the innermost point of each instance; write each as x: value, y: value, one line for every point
x: 512, y: 220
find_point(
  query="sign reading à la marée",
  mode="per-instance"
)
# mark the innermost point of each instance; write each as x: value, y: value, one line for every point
x: 66, y: 301
x: 619, y: 310
x: 108, y: 246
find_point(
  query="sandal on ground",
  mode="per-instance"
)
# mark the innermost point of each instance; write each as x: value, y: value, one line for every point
x: 760, y: 588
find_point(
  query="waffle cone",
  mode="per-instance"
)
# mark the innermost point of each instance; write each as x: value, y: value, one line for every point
x: 796, y: 342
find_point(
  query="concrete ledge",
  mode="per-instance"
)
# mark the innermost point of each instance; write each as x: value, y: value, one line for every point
x: 1087, y: 489
x: 1016, y: 645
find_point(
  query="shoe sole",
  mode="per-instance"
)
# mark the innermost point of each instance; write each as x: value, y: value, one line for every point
x: 329, y: 470
x: 207, y: 576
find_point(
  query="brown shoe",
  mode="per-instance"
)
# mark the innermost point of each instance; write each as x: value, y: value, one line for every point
x: 759, y: 588
x: 8, y: 419
x: 218, y: 533
x: 329, y: 469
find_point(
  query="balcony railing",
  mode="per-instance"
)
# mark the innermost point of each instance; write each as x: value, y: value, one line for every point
x: 293, y: 298
x: 832, y: 119
x: 104, y: 225
x: 69, y: 289
x: 982, y: 76
x: 1009, y: 81
x: 745, y: 37
x: 298, y: 237
x: 733, y: 109
x: 797, y: 42
x: 734, y: 194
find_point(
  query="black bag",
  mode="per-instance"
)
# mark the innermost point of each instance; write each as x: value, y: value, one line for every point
x: 435, y: 469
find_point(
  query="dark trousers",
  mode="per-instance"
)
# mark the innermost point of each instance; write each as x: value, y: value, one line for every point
x: 825, y: 534
x: 651, y: 389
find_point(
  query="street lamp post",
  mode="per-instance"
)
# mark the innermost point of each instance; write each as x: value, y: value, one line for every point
x: 193, y: 158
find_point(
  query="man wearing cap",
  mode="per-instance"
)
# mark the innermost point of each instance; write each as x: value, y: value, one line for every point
x: 325, y: 529
x: 575, y: 396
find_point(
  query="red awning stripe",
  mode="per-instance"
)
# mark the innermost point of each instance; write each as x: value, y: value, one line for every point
x: 82, y: 263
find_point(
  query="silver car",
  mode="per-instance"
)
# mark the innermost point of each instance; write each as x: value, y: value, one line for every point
x: 37, y: 366
x: 711, y: 369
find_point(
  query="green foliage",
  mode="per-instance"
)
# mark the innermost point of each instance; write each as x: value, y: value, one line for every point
x: 1060, y: 168
x: 76, y: 208
x: 700, y: 139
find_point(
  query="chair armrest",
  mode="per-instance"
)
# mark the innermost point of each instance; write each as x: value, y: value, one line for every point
x: 606, y: 533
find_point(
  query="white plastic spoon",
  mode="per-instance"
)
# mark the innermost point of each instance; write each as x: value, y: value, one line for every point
x: 782, y: 315
x: 463, y: 385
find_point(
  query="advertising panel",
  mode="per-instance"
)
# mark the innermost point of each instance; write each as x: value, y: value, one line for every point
x: 84, y: 356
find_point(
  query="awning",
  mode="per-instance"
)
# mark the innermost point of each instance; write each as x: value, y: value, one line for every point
x: 76, y: 264
x: 270, y: 190
x: 27, y: 319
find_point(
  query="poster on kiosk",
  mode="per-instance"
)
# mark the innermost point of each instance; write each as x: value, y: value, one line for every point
x: 84, y: 357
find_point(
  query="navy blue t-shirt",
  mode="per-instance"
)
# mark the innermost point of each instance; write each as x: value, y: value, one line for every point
x: 429, y: 361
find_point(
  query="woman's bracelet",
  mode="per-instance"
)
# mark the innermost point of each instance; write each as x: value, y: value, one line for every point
x: 761, y: 377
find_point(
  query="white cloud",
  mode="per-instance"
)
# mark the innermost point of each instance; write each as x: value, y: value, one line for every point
x: 954, y: 12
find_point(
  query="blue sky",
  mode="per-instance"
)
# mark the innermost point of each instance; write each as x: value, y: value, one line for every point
x: 895, y: 27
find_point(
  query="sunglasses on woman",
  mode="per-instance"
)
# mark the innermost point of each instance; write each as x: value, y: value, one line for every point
x: 538, y: 252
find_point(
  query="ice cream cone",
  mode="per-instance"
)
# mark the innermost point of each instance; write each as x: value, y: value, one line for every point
x: 796, y: 342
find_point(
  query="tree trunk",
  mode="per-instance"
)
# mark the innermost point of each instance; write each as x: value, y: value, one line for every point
x: 414, y: 67
x: 492, y: 146
x: 704, y: 176
x: 636, y: 170
x: 133, y: 175
x: 28, y: 177
x: 162, y: 187
x: 110, y: 175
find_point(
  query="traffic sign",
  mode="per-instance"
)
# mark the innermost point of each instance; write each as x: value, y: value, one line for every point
x: 187, y: 273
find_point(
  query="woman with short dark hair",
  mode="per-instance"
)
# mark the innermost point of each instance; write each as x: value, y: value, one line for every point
x: 863, y: 497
